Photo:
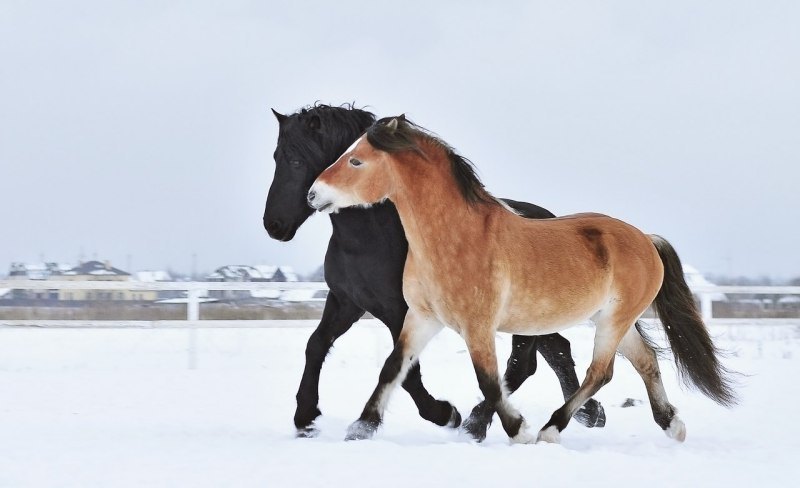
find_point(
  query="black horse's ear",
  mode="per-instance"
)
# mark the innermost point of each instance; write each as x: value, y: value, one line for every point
x: 392, y: 124
x: 314, y: 123
x: 279, y: 116
x: 402, y: 118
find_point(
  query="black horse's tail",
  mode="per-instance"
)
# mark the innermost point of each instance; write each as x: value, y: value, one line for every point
x: 695, y: 354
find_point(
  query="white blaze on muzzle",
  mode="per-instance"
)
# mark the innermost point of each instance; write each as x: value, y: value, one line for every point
x: 327, y: 199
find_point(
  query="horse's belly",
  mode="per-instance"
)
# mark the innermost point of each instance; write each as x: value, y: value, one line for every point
x: 531, y: 327
x: 547, y: 318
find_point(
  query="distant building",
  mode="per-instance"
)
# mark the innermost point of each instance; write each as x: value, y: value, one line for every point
x: 152, y: 276
x: 247, y: 273
x: 695, y: 279
x: 98, y: 271
x: 159, y: 277
x: 34, y: 271
x: 86, y: 271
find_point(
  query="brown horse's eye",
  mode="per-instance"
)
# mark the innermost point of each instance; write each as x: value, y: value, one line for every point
x: 355, y: 162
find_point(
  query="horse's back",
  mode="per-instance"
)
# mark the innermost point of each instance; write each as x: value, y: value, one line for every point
x: 573, y: 266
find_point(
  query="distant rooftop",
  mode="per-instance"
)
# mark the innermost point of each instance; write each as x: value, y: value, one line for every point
x: 95, y: 268
x: 42, y: 271
x: 260, y: 272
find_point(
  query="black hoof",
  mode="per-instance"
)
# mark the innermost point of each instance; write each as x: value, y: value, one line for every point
x: 304, y: 419
x: 477, y: 424
x: 591, y: 414
x: 361, y: 430
x: 307, y: 432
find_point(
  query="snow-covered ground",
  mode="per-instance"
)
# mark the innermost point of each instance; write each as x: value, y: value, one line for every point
x: 85, y: 408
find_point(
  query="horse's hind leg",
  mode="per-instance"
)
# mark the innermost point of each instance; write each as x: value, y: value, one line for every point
x: 555, y: 349
x: 440, y: 412
x: 481, y: 345
x: 339, y: 315
x: 521, y: 364
x: 644, y: 360
x: 606, y: 340
x: 417, y: 332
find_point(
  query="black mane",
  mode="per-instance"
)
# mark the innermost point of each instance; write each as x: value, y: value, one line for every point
x: 329, y: 128
x: 404, y: 138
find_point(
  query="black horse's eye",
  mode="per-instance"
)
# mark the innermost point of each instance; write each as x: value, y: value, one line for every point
x: 355, y: 162
x: 295, y: 163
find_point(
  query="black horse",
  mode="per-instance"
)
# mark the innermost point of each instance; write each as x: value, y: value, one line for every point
x: 364, y: 271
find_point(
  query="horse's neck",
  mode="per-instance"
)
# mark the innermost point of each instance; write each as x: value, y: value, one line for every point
x: 439, y: 224
x: 367, y: 226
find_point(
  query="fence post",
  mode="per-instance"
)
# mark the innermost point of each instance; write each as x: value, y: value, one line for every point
x: 706, y: 306
x: 192, y: 314
x: 193, y: 305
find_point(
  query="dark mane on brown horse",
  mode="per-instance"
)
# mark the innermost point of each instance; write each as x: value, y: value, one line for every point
x: 405, y: 137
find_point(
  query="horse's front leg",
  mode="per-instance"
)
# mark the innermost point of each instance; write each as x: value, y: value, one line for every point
x: 417, y: 332
x: 339, y: 315
x: 439, y: 412
x: 521, y: 364
x: 555, y: 349
x: 481, y: 345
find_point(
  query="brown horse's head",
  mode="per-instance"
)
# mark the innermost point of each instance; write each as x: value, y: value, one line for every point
x: 360, y: 177
x: 365, y: 175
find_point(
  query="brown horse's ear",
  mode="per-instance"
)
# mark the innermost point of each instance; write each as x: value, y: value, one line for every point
x: 392, y: 124
x: 279, y: 116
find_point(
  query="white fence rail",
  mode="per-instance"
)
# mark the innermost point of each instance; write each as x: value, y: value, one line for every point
x: 195, y: 290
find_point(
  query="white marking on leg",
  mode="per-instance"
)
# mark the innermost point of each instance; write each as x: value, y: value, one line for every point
x: 524, y: 436
x: 419, y: 333
x: 549, y: 435
x: 676, y: 429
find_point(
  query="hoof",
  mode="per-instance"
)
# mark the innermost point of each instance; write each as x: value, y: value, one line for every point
x: 455, y: 419
x: 307, y: 432
x: 549, y: 435
x: 592, y: 414
x: 478, y: 422
x: 475, y: 428
x: 304, y: 419
x: 361, y: 430
x: 524, y: 435
x: 676, y: 429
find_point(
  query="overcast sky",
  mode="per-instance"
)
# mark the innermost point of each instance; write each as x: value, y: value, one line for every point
x: 140, y: 132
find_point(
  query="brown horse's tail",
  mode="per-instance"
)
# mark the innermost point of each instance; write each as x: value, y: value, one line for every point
x: 695, y: 354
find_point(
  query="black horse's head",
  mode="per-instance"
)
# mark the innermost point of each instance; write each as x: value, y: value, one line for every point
x: 308, y: 142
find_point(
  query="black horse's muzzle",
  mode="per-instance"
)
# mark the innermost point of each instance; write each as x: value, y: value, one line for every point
x: 278, y: 230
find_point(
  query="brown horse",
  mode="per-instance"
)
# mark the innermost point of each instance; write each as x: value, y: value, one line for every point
x: 478, y: 268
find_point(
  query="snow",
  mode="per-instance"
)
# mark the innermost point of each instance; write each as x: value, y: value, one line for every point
x: 88, y: 408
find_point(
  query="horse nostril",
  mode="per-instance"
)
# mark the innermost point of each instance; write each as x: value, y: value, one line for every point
x: 311, y: 195
x: 274, y: 227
